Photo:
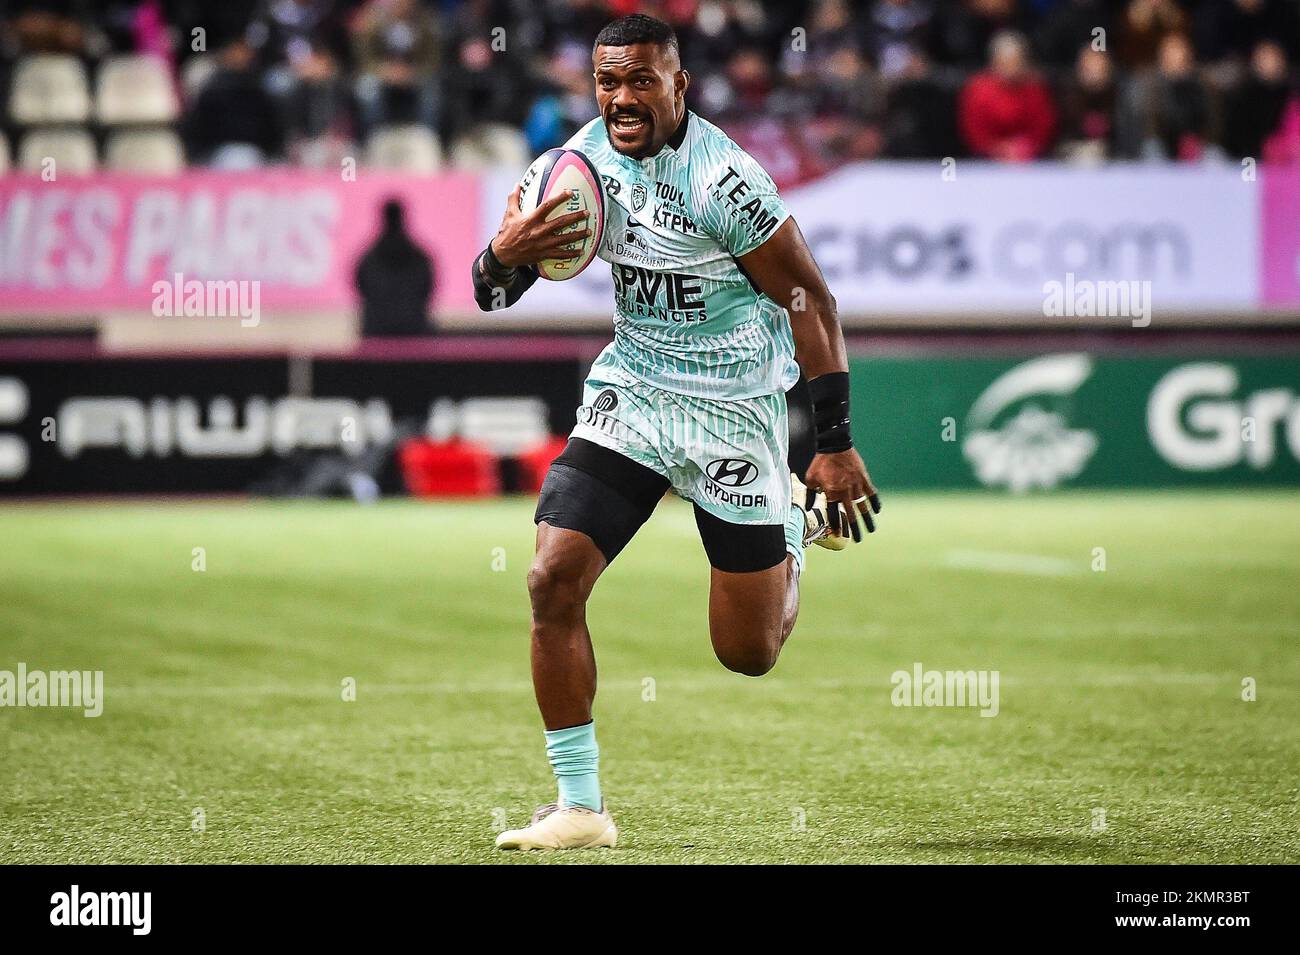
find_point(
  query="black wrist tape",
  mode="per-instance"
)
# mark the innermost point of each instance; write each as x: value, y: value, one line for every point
x: 496, y: 272
x: 830, y: 401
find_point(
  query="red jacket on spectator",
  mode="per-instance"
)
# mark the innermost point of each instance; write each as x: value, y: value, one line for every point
x: 1012, y: 121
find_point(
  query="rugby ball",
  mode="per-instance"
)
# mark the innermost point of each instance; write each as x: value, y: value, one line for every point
x: 566, y: 170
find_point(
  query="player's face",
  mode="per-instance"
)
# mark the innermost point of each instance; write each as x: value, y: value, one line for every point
x: 641, y: 91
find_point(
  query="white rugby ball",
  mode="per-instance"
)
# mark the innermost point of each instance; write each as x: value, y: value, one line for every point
x: 566, y: 171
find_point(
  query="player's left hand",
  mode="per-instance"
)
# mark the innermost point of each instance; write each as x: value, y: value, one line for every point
x: 843, y: 478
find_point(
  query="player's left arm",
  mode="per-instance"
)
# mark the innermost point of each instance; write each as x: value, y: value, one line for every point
x: 784, y: 270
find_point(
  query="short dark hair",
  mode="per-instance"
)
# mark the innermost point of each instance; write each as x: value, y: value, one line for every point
x: 637, y: 28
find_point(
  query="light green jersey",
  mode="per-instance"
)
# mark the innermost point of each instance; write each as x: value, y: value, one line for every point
x: 687, y: 319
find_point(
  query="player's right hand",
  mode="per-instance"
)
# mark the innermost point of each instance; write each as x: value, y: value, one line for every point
x: 528, y: 238
x: 842, y: 477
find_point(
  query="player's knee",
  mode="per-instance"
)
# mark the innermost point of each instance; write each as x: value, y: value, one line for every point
x: 556, y: 590
x: 753, y: 656
x: 748, y: 662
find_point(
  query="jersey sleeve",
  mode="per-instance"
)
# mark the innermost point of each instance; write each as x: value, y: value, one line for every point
x: 742, y: 206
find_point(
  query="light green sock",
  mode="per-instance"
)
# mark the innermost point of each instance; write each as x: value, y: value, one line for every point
x: 794, y: 528
x: 575, y: 760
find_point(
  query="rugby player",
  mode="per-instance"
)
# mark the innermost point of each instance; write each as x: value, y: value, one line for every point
x: 718, y: 306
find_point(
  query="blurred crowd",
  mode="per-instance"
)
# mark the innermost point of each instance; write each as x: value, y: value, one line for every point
x: 818, y: 82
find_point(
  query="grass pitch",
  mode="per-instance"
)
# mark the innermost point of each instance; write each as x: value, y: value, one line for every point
x: 1120, y: 690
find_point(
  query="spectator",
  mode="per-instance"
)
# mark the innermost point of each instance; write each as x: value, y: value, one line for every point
x: 233, y: 109
x: 484, y: 87
x: 398, y: 51
x: 567, y: 102
x: 849, y: 109
x: 1088, y: 109
x: 318, y: 111
x: 1235, y: 28
x: 219, y: 23
x: 1176, y: 111
x: 795, y: 81
x: 1145, y: 25
x: 919, y: 120
x: 962, y: 32
x: 47, y: 26
x: 749, y: 82
x: 1070, y: 23
x: 895, y: 29
x: 1255, y: 109
x: 395, y: 280
x: 286, y: 31
x: 1005, y: 112
x: 137, y: 26
x: 577, y: 21
x: 714, y: 31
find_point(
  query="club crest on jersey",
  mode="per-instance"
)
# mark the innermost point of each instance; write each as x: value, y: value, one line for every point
x: 639, y: 195
x: 732, y: 472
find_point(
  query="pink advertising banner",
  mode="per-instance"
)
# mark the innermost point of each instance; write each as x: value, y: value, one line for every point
x: 101, y: 242
x: 1279, y: 258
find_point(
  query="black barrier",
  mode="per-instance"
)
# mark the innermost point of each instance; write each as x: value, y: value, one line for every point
x: 97, y: 424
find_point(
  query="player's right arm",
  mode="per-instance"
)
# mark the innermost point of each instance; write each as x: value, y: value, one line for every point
x: 507, y: 267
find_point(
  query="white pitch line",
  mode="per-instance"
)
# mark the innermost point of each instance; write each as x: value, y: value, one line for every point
x: 1000, y: 562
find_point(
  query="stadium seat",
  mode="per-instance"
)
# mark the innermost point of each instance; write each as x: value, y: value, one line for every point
x: 490, y: 145
x: 135, y: 89
x: 448, y: 468
x: 155, y: 152
x: 73, y: 151
x: 49, y: 89
x: 404, y: 149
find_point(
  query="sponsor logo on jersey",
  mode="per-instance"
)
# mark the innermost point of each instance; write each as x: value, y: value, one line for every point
x: 632, y: 237
x: 733, y: 192
x: 670, y: 209
x: 596, y: 414
x: 670, y: 193
x: 629, y: 244
x: 732, y: 472
x: 665, y: 218
x: 612, y: 186
x: 733, y: 498
x: 725, y: 475
x: 670, y: 297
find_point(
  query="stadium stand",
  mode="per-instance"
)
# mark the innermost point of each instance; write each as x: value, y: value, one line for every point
x: 832, y: 80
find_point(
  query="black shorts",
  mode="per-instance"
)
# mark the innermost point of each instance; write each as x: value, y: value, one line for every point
x: 607, y: 496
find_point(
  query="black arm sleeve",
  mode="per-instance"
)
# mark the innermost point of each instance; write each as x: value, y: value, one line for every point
x: 486, y: 294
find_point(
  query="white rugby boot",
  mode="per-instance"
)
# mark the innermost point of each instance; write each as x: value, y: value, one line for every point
x: 569, y: 827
